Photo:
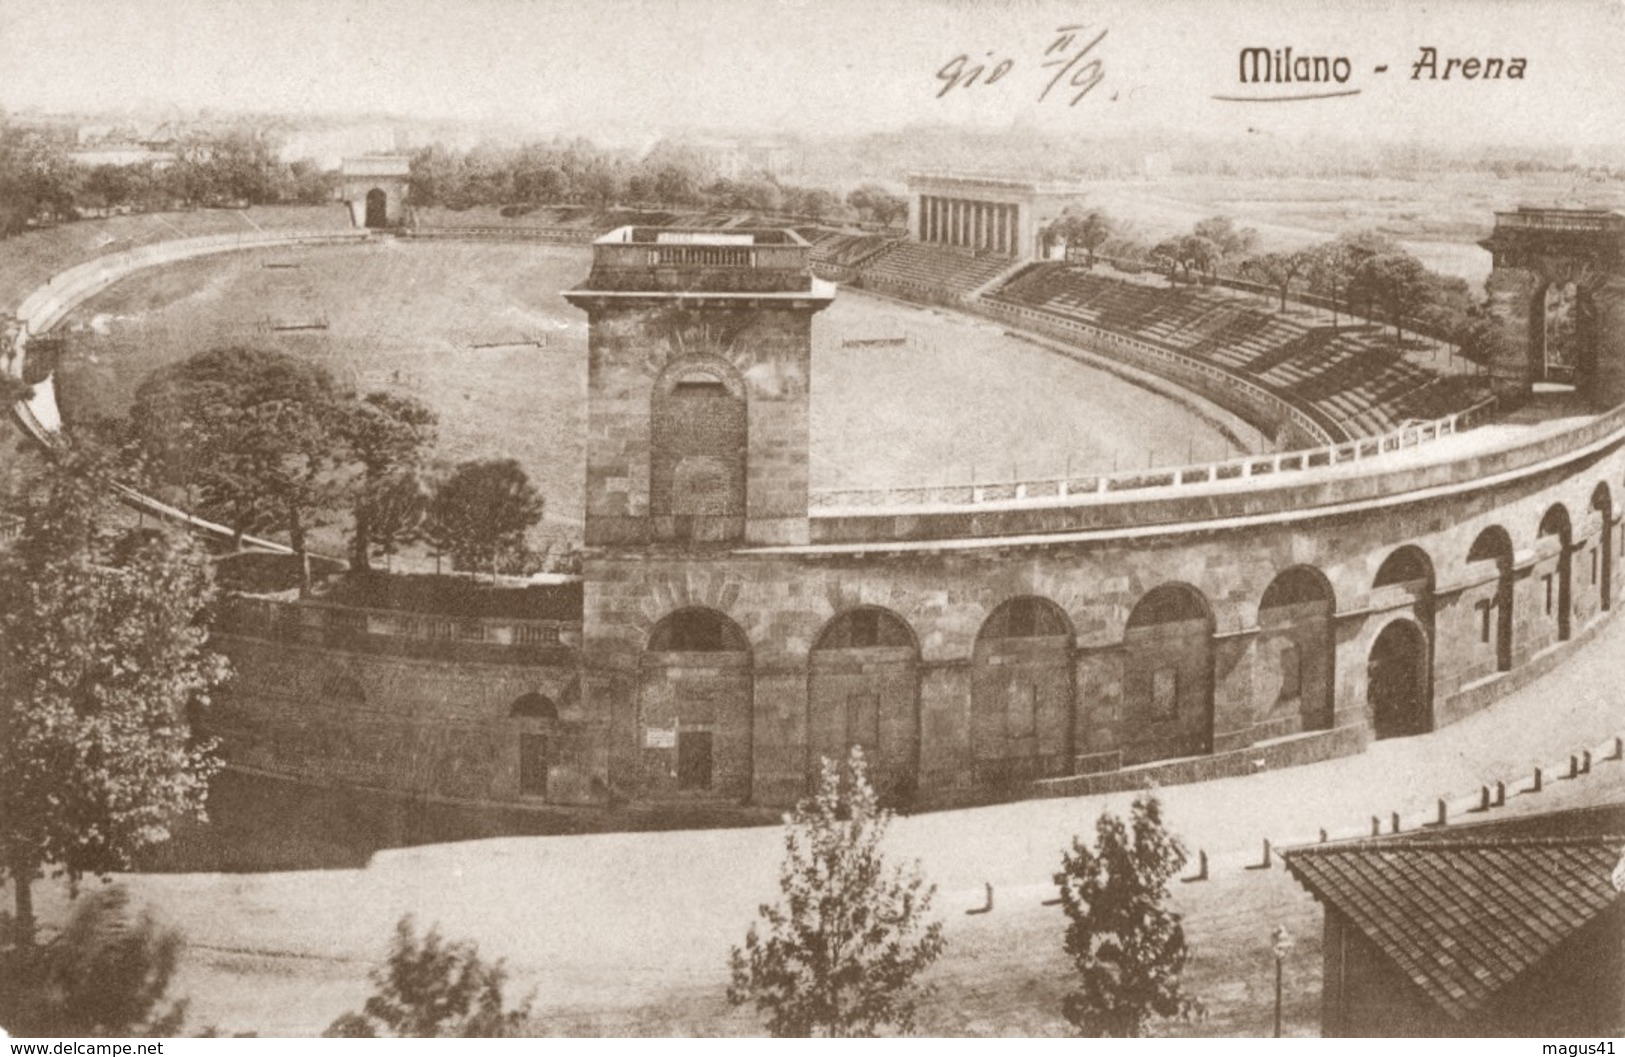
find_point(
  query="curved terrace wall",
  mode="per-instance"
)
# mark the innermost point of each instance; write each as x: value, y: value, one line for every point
x: 555, y: 712
x: 1248, y: 701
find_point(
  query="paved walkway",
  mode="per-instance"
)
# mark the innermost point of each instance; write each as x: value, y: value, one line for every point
x: 601, y: 918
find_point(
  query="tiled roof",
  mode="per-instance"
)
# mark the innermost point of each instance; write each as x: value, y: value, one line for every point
x: 1463, y: 914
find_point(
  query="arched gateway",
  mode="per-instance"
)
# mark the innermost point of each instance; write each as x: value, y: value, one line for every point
x: 375, y: 189
x: 1397, y: 681
x: 1558, y: 287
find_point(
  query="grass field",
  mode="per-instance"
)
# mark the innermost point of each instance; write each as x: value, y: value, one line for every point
x: 479, y: 332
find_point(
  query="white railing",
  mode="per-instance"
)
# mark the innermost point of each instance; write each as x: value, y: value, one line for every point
x: 497, y: 232
x: 1085, y: 488
x: 45, y: 307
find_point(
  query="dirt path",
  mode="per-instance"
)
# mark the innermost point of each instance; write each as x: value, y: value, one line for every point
x: 617, y: 923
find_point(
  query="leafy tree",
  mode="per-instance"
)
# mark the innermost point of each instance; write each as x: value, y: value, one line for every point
x: 480, y: 513
x: 259, y: 438
x: 104, y: 974
x: 307, y: 183
x: 815, y: 202
x: 435, y: 177
x: 1329, y: 271
x: 289, y: 453
x: 1166, y: 256
x: 1229, y: 240
x: 394, y: 509
x: 1368, y: 242
x: 882, y: 206
x: 761, y: 196
x: 111, y: 185
x: 1202, y: 254
x: 840, y: 954
x: 1188, y: 253
x: 389, y: 435
x: 36, y: 179
x: 100, y: 666
x: 430, y: 988
x: 537, y: 177
x: 227, y: 167
x: 1129, y: 949
x: 1276, y: 270
x: 1398, y: 282
x: 1088, y: 231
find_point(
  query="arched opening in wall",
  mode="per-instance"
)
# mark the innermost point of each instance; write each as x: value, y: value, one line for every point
x: 1405, y: 579
x: 539, y: 742
x: 694, y: 707
x: 1408, y: 568
x: 1168, y: 676
x: 1021, y: 693
x: 1602, y: 554
x: 377, y: 208
x: 1559, y: 333
x: 1398, y: 682
x: 1492, y: 614
x: 698, y: 438
x: 1297, y: 645
x: 1556, y: 569
x: 864, y: 690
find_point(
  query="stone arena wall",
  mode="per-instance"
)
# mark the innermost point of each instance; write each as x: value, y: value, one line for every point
x: 1162, y: 661
x: 943, y: 733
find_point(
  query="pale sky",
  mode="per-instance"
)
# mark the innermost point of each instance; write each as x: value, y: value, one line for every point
x: 831, y: 65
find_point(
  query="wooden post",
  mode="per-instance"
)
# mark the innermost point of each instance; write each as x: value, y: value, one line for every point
x: 1265, y: 864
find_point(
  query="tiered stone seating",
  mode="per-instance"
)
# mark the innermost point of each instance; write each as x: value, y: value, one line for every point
x: 1350, y: 373
x: 1442, y: 396
x: 938, y: 273
x: 846, y: 250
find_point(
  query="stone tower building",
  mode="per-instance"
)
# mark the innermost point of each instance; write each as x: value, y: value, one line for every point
x: 699, y: 362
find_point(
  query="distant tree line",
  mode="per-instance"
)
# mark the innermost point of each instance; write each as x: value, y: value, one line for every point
x: 1364, y: 273
x: 39, y: 182
x: 671, y: 176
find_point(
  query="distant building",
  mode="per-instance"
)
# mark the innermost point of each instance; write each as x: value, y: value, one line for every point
x: 984, y: 213
x: 1508, y: 928
x: 375, y: 188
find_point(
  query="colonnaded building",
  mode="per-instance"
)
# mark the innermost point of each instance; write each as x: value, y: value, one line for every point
x: 1379, y: 573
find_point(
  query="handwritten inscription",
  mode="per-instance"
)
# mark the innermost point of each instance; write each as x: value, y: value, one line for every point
x: 1066, y: 55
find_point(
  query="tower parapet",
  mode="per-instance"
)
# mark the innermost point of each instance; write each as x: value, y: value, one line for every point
x: 699, y: 354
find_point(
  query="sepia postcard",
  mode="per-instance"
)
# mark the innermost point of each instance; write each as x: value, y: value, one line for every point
x: 678, y: 518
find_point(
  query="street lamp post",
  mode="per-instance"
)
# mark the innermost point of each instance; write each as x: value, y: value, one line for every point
x: 1282, y: 945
